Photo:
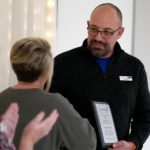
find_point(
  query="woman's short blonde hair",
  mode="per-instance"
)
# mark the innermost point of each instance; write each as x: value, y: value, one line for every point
x: 31, y: 57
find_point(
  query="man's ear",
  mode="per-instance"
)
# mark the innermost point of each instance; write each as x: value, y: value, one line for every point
x: 120, y: 32
x: 88, y: 23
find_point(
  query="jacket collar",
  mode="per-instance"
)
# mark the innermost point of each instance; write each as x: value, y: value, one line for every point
x: 117, y: 49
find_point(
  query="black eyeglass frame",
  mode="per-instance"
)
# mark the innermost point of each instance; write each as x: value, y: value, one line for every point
x: 102, y: 32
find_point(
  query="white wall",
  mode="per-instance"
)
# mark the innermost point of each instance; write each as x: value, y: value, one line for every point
x: 142, y: 33
x: 142, y: 40
x: 72, y: 22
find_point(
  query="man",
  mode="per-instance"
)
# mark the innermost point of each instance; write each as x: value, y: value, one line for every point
x: 101, y: 71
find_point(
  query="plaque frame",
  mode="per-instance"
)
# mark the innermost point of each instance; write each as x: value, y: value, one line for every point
x: 102, y: 124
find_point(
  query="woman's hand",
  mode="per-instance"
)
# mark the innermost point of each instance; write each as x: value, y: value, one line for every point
x: 36, y: 129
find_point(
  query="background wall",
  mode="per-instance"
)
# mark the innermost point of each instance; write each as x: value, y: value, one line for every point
x: 141, y: 46
x: 142, y: 33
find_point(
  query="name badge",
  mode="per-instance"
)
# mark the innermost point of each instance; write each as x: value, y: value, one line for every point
x: 105, y: 124
x: 125, y: 78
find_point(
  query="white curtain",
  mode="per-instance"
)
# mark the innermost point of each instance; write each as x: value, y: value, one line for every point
x: 23, y: 18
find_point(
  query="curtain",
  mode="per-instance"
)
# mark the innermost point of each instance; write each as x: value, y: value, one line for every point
x: 19, y: 19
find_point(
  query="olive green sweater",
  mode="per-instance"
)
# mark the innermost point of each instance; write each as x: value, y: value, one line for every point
x: 70, y: 132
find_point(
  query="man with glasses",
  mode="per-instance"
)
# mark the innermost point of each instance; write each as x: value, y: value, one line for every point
x: 101, y: 71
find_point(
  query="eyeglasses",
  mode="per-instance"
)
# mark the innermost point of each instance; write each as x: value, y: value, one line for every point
x: 105, y: 33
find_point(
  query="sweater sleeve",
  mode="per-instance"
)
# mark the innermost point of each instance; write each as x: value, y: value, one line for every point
x: 76, y: 132
x: 140, y: 127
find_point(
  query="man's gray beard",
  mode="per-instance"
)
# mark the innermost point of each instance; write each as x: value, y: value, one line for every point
x: 94, y: 54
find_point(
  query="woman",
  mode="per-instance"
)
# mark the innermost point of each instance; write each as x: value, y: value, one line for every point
x: 32, y: 62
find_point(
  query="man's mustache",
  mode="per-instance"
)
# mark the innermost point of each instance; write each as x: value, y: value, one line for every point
x: 98, y: 42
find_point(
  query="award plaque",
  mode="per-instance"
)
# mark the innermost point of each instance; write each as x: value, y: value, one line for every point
x: 105, y: 124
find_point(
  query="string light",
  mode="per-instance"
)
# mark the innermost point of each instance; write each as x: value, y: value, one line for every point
x: 49, y: 19
x: 9, y: 20
x: 36, y: 13
x: 25, y: 18
x: 49, y: 34
x: 49, y: 24
x: 50, y: 3
x: 34, y: 28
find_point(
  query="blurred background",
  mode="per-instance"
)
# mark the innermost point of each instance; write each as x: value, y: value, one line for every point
x: 63, y: 23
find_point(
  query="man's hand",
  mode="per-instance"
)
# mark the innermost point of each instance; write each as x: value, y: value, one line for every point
x: 123, y: 145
